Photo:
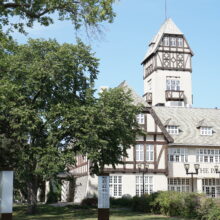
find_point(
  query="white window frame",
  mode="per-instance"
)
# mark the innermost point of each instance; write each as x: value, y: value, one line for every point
x: 172, y: 129
x: 178, y: 155
x: 115, y: 186
x: 139, y: 152
x: 166, y: 41
x: 205, y: 155
x: 179, y: 184
x: 140, y: 119
x: 204, y: 130
x: 149, y: 152
x: 148, y: 184
x: 173, y: 42
x: 180, y: 42
x: 173, y: 84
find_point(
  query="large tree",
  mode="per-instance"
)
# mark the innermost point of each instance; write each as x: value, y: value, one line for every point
x: 41, y: 83
x: 49, y: 113
x: 88, y: 13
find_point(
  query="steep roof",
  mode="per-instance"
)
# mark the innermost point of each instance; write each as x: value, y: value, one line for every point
x: 188, y: 120
x: 169, y: 27
x: 136, y: 98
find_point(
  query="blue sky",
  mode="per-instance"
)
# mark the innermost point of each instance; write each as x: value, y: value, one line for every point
x: 124, y: 43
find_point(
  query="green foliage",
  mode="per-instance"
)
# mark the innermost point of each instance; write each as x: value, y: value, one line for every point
x: 125, y: 202
x: 212, y: 214
x: 206, y: 204
x: 87, y: 13
x: 109, y: 127
x: 141, y: 204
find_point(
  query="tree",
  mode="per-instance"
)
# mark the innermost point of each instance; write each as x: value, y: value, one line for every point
x: 89, y: 13
x: 41, y: 83
x: 109, y: 128
x: 49, y: 113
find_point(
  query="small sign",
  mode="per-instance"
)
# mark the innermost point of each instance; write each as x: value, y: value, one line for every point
x: 103, y: 192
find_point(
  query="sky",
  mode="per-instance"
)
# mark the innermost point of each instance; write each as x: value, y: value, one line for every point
x: 124, y: 43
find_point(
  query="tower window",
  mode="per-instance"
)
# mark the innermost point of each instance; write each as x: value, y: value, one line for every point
x: 179, y: 42
x: 166, y: 41
x: 173, y: 84
x: 173, y: 41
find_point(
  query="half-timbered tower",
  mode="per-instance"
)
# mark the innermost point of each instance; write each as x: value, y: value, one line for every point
x: 167, y: 68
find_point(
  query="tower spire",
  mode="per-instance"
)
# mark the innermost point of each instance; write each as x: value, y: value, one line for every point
x: 165, y: 10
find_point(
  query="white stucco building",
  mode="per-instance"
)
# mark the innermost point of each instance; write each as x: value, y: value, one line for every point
x: 177, y: 133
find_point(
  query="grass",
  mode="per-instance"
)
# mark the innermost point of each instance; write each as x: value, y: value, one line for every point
x: 46, y: 212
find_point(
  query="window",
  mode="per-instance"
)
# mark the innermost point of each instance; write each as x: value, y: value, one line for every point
x: 148, y: 185
x: 178, y: 155
x: 149, y: 153
x: 211, y: 187
x: 172, y: 129
x: 166, y: 41
x: 173, y: 41
x: 140, y: 119
x: 173, y: 84
x: 179, y: 42
x: 178, y: 185
x: 115, y: 186
x: 176, y: 103
x: 139, y: 152
x: 208, y: 155
x: 205, y: 130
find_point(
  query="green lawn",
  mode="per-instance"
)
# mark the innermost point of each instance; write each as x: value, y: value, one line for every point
x: 46, y: 212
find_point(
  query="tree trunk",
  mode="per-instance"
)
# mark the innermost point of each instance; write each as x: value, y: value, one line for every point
x: 32, y: 196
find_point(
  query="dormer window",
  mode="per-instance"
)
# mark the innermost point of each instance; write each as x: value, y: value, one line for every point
x: 140, y: 119
x: 172, y: 129
x: 205, y: 130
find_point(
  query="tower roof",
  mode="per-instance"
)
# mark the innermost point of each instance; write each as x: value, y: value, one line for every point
x: 168, y: 27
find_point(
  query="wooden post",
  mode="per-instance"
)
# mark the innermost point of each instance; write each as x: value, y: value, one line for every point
x: 6, y: 216
x: 103, y: 197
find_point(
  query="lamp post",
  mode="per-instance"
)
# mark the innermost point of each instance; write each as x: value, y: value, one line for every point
x: 143, y: 168
x: 196, y: 166
x: 216, y: 169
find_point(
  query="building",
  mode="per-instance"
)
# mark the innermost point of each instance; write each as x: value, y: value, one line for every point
x: 177, y: 134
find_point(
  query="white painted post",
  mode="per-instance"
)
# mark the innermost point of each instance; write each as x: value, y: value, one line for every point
x: 103, y: 197
x: 6, y: 194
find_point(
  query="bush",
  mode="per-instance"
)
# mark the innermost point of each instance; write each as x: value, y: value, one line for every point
x: 213, y: 214
x: 90, y: 202
x: 205, y: 205
x: 141, y: 204
x: 125, y: 201
x: 170, y: 203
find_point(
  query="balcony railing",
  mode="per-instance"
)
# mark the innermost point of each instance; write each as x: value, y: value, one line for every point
x: 174, y: 95
x: 148, y: 97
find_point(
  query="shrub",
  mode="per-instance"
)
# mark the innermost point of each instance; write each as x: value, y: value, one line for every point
x: 90, y: 202
x: 170, y: 203
x: 191, y: 205
x: 205, y: 205
x: 125, y: 201
x: 213, y: 213
x: 141, y: 204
